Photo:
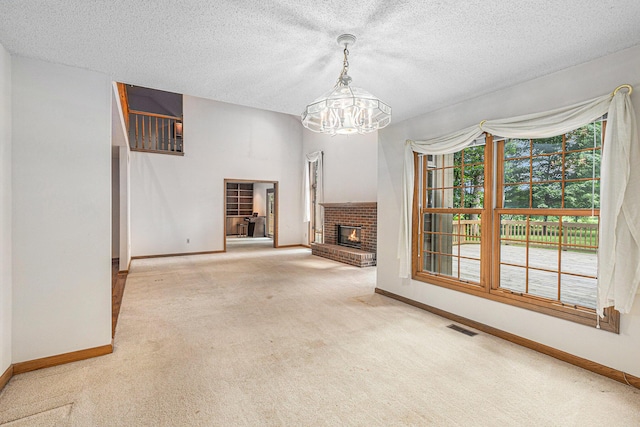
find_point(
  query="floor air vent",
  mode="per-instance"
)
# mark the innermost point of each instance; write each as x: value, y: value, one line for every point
x: 462, y: 330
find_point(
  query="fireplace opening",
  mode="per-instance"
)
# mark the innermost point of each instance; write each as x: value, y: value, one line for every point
x: 350, y: 236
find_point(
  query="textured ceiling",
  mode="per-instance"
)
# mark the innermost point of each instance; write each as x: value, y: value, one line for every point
x: 279, y: 55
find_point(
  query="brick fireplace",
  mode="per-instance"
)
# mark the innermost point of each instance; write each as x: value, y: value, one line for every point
x: 362, y: 217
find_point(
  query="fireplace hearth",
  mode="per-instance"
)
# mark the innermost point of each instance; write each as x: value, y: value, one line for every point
x: 350, y: 231
x: 349, y: 236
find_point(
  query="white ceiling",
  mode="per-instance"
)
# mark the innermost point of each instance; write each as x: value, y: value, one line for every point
x: 280, y: 55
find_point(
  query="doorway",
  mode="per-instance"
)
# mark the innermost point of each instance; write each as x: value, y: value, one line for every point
x: 251, y: 214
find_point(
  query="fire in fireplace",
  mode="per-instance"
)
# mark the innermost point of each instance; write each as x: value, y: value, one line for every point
x: 350, y: 236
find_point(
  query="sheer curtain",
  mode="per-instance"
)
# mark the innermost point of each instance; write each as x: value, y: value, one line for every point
x: 315, y: 157
x: 619, y: 233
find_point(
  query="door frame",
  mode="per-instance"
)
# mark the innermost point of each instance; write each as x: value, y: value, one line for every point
x: 224, y: 207
x: 271, y: 190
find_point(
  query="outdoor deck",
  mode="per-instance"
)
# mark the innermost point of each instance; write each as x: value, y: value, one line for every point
x: 574, y: 289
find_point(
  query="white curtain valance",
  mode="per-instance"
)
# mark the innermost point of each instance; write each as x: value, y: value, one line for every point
x: 619, y: 234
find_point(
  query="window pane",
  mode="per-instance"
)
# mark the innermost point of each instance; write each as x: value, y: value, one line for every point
x: 516, y: 171
x: 441, y: 223
x: 474, y: 197
x: 516, y: 196
x: 428, y: 261
x: 547, y: 168
x: 578, y: 290
x: 584, y: 137
x: 547, y: 196
x: 474, y: 155
x: 516, y: 148
x: 457, y: 158
x: 434, y: 198
x: 513, y: 253
x: 513, y: 227
x: 470, y: 239
x: 513, y: 278
x: 441, y: 198
x: 543, y: 256
x: 468, y: 250
x: 580, y: 237
x: 457, y: 197
x: 547, y: 145
x: 544, y: 230
x: 468, y: 227
x: 439, y: 178
x: 440, y: 264
x: 582, y: 195
x: 457, y: 177
x: 474, y: 175
x: 434, y: 178
x: 543, y: 284
x: 446, y: 265
x: 582, y: 164
x: 470, y: 270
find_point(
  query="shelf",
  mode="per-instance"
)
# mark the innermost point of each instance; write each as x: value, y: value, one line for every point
x: 239, y: 199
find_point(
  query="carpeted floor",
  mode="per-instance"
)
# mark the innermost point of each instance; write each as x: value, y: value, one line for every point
x: 262, y: 336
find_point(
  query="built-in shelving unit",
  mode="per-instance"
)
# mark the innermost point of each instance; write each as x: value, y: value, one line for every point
x: 239, y: 199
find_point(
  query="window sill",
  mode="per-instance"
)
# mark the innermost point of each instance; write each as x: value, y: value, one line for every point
x: 581, y: 315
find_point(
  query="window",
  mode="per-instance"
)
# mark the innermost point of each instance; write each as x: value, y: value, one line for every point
x: 316, y: 234
x: 522, y: 230
x: 453, y: 203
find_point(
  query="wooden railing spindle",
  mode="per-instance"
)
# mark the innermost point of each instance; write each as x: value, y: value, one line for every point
x: 165, y: 139
x: 157, y: 145
x: 136, y: 131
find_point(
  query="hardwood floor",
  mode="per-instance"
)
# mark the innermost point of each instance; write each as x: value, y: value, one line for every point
x: 118, y: 281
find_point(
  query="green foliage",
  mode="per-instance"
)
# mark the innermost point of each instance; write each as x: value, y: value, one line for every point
x: 541, y: 162
x: 468, y: 177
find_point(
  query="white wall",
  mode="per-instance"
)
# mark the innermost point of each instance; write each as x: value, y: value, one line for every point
x: 177, y: 198
x: 260, y: 197
x: 125, y: 211
x: 5, y: 210
x: 61, y: 209
x: 563, y: 88
x: 350, y: 165
x: 115, y: 203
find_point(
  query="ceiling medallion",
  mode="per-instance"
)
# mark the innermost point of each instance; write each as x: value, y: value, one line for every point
x: 346, y: 109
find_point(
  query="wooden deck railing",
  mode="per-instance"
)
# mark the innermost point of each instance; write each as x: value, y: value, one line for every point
x: 466, y: 231
x: 541, y: 233
x: 156, y: 133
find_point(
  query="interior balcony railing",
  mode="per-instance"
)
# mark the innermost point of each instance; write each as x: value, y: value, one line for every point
x: 155, y: 133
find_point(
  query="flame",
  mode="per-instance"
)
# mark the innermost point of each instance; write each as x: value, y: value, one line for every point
x: 353, y: 237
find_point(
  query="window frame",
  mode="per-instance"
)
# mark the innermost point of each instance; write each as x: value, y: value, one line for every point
x: 490, y: 248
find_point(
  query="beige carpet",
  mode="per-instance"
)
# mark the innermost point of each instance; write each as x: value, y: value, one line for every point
x: 262, y: 336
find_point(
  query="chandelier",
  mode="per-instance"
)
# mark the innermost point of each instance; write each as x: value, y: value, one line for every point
x: 346, y: 109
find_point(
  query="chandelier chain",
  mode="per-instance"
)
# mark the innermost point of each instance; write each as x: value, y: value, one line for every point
x: 344, y: 79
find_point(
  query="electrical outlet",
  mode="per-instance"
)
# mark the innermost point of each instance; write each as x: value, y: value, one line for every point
x: 187, y: 240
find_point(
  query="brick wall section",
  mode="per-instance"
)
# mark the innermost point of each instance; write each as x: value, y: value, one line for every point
x: 363, y: 215
x: 354, y: 215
